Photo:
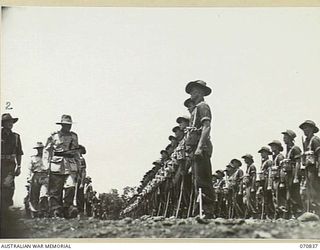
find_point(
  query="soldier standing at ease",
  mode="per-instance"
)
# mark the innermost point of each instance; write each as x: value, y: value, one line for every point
x: 11, y: 154
x: 80, y: 180
x: 291, y: 165
x: 201, y: 146
x: 88, y: 194
x: 249, y: 181
x: 38, y: 177
x: 63, y: 157
x: 267, y: 205
x: 278, y: 184
x: 311, y: 161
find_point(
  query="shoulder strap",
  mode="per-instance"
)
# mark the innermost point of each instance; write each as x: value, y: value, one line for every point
x: 310, y: 143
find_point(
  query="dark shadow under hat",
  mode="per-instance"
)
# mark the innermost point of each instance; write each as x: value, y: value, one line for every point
x: 198, y: 83
x: 311, y: 124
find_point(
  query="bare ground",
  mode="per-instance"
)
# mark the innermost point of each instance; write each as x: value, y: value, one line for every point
x: 158, y: 227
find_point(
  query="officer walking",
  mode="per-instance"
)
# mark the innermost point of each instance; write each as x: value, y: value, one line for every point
x: 38, y: 177
x: 63, y: 158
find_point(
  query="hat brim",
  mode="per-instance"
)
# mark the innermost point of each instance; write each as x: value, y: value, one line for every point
x: 14, y: 120
x: 190, y: 85
x: 38, y: 147
x: 262, y: 150
x: 181, y: 119
x: 68, y: 123
x: 315, y: 128
x: 274, y: 144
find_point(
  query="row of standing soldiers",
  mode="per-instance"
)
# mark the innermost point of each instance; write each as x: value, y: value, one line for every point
x: 173, y: 184
x: 57, y: 182
x: 286, y: 184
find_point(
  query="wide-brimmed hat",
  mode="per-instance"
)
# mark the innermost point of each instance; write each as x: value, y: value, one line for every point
x: 39, y: 145
x: 276, y: 143
x: 230, y: 166
x: 8, y: 117
x: 65, y: 119
x: 247, y: 156
x: 157, y: 162
x: 311, y: 124
x: 290, y: 133
x: 176, y: 128
x: 236, y: 161
x: 265, y: 149
x: 88, y: 178
x: 164, y: 152
x: 187, y: 102
x: 84, y: 151
x: 180, y: 119
x: 200, y: 84
x: 220, y: 172
x: 171, y: 137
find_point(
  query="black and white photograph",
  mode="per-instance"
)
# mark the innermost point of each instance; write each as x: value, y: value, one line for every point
x: 160, y: 122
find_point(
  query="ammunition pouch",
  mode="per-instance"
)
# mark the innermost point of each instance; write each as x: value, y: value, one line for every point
x: 193, y: 137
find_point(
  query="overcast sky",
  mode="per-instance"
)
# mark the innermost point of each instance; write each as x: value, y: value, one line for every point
x: 121, y: 74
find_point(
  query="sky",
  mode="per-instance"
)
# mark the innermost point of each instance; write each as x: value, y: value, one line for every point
x: 121, y: 74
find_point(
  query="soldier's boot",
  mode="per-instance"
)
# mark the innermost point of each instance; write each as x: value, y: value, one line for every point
x: 58, y: 213
x: 72, y: 212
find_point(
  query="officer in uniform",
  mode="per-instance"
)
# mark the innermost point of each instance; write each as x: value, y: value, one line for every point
x: 11, y: 154
x: 311, y: 160
x: 291, y: 167
x: 63, y: 158
x: 38, y: 177
x: 249, y: 181
x: 201, y: 145
x: 278, y: 184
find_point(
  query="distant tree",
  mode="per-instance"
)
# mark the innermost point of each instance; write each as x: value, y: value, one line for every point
x: 111, y: 204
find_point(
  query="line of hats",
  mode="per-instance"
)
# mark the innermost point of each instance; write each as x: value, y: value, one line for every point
x: 236, y: 163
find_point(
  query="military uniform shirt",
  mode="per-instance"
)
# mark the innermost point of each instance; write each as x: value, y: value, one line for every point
x: 313, y: 144
x: 277, y: 159
x: 293, y: 153
x: 10, y: 143
x: 201, y: 113
x: 36, y: 164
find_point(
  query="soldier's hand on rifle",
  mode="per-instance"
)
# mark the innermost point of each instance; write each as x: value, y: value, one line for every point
x: 81, y: 185
x: 18, y: 171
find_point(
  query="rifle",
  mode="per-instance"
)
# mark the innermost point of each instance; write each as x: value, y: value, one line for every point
x: 167, y: 203
x: 67, y: 153
x: 199, y: 200
x: 180, y: 196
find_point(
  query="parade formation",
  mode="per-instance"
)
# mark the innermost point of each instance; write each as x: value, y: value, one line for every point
x: 180, y: 184
x: 284, y: 184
